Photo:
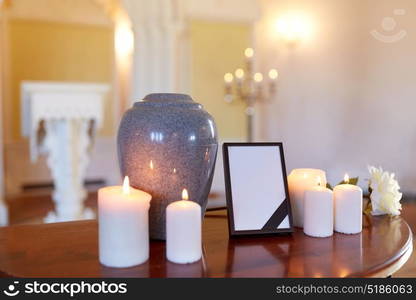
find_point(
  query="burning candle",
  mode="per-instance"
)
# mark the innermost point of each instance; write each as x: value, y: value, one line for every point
x: 319, y: 211
x: 123, y: 225
x: 183, y: 231
x: 348, y: 201
x: 299, y: 180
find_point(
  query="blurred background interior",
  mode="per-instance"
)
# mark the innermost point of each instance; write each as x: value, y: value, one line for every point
x: 343, y: 96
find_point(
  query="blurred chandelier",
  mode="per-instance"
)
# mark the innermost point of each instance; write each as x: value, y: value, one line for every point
x: 248, y: 86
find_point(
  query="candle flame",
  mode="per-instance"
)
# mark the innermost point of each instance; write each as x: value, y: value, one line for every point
x: 151, y: 165
x: 126, y: 185
x: 185, y: 194
x: 319, y: 181
x: 346, y: 178
x: 174, y: 170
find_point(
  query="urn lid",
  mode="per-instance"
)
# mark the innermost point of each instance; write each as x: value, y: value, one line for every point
x: 158, y: 99
x: 167, y: 97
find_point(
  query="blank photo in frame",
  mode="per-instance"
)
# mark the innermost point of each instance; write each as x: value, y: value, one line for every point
x: 256, y: 189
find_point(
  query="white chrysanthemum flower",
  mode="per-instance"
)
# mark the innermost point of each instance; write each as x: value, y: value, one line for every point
x: 385, y: 195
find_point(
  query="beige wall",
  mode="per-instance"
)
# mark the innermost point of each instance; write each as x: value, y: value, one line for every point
x: 218, y: 48
x: 50, y: 51
x: 59, y: 40
x: 345, y: 99
x: 69, y: 11
x: 1, y: 105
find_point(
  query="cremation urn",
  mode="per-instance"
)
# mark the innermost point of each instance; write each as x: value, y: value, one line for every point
x: 167, y: 143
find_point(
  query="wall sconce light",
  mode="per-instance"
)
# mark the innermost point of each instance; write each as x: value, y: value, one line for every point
x: 124, y: 39
x: 294, y: 27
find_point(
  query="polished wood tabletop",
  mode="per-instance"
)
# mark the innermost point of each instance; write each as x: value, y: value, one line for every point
x: 71, y: 250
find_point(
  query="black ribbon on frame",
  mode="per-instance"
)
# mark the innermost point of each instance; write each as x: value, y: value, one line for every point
x: 277, y: 217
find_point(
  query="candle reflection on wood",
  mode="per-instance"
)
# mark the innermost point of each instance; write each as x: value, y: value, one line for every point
x: 240, y: 253
x: 342, y: 261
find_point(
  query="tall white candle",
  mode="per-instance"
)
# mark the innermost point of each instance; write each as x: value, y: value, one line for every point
x: 348, y: 201
x: 183, y: 231
x: 123, y: 225
x: 319, y: 212
x: 299, y: 180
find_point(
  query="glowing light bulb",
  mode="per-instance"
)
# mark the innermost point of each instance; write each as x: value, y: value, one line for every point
x: 185, y: 195
x: 249, y: 52
x: 294, y: 26
x: 124, y: 39
x: 126, y: 185
x: 228, y: 77
x: 346, y: 178
x: 258, y: 77
x: 239, y: 73
x: 273, y: 74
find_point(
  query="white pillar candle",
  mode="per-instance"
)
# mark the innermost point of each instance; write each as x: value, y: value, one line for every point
x: 299, y: 180
x: 319, y: 212
x: 123, y: 225
x: 183, y: 231
x: 348, y: 202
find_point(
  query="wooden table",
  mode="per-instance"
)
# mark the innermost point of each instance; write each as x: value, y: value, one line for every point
x: 70, y: 250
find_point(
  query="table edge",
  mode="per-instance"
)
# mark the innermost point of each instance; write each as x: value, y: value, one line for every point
x: 395, y: 263
x: 382, y: 270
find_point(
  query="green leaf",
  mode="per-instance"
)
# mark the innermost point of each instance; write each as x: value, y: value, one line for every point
x: 352, y: 181
x: 368, y: 208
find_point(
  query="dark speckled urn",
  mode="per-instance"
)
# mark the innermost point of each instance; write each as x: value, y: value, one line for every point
x: 168, y: 142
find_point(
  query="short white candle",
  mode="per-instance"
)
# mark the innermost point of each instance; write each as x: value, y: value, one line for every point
x: 123, y: 225
x: 348, y: 202
x: 183, y: 231
x: 319, y: 212
x: 299, y: 180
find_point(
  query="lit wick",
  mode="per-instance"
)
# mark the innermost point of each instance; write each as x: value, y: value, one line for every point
x: 185, y: 194
x: 346, y: 179
x: 126, y: 185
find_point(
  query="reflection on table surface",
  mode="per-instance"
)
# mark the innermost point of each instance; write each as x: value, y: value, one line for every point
x: 384, y: 242
x: 298, y: 255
